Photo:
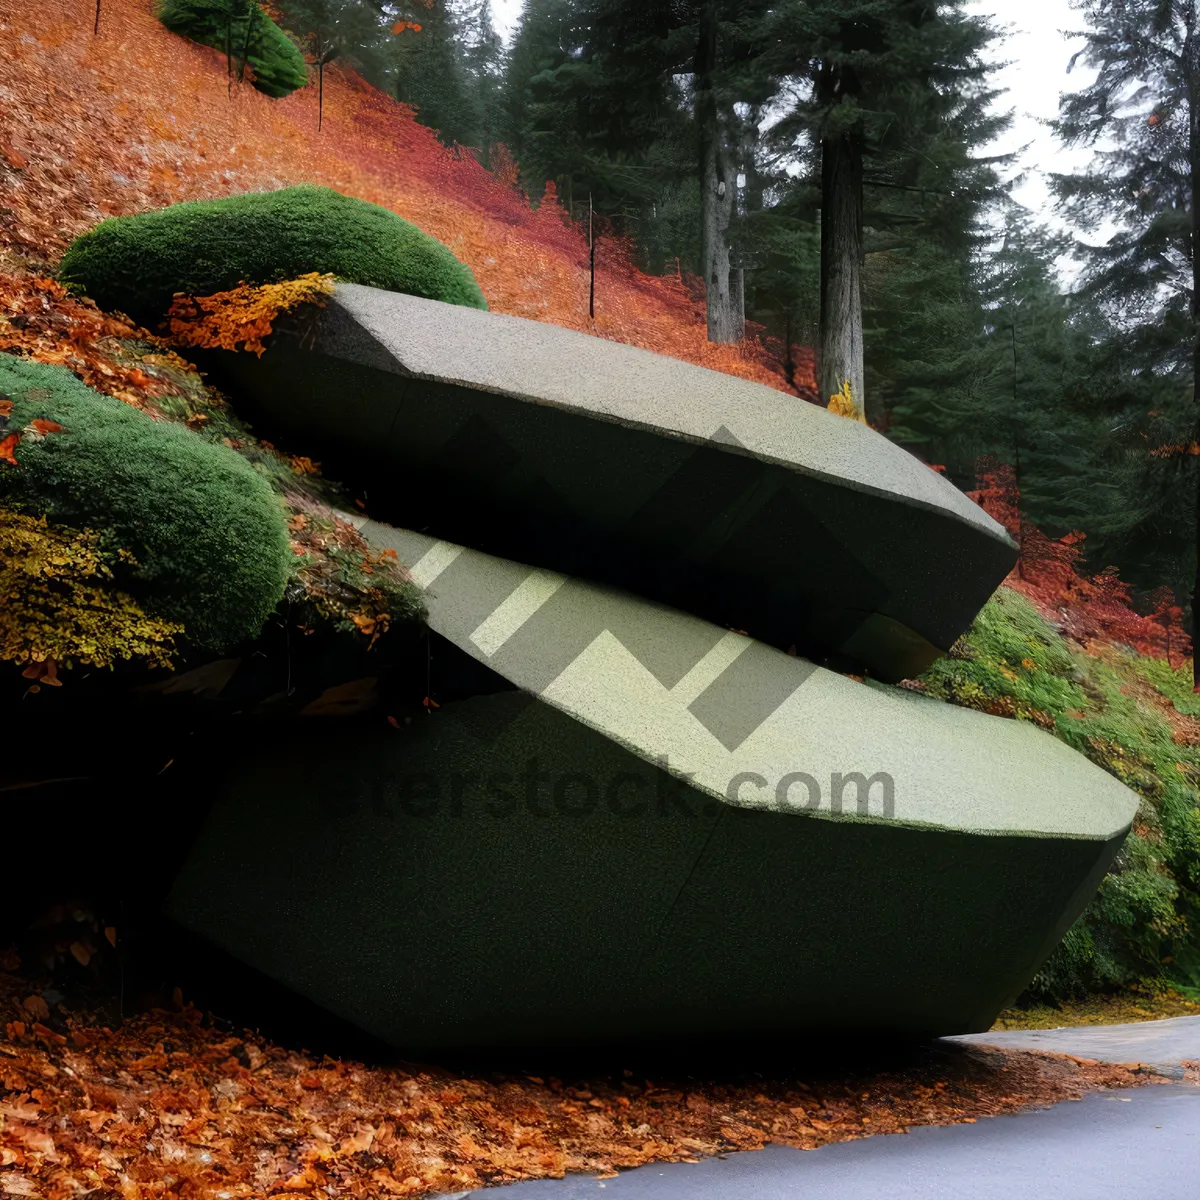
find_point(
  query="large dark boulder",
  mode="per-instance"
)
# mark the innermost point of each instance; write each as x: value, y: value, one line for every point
x: 624, y: 822
x: 721, y: 497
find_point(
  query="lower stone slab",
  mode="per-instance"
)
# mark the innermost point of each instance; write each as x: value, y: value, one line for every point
x: 501, y: 875
x: 648, y: 828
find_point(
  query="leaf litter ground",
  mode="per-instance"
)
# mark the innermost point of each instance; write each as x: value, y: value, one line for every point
x: 171, y: 1105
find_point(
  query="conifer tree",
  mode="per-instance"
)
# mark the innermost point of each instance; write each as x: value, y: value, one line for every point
x: 537, y: 46
x: 1143, y: 110
x: 1027, y: 396
x: 330, y: 29
x: 891, y: 94
x: 407, y: 47
x: 637, y: 102
x: 482, y: 54
x: 428, y: 70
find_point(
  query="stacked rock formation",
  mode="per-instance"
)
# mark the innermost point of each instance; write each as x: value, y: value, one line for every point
x: 635, y: 820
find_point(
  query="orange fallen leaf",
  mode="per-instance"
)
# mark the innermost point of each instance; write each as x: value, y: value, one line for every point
x: 13, y: 157
x: 43, y: 426
x: 43, y: 672
x: 344, y: 699
x: 36, y: 1007
x: 7, y: 448
x: 38, y: 1140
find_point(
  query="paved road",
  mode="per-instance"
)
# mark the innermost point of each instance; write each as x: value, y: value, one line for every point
x: 1132, y: 1144
x: 1161, y: 1044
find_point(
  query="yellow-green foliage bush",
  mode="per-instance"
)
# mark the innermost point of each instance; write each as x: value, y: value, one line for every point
x: 60, y: 603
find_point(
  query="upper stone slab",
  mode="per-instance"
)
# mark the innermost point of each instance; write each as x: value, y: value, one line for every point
x: 547, y: 364
x: 702, y: 490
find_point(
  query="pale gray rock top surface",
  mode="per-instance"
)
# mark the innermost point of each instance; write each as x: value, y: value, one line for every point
x: 546, y: 364
x: 718, y: 707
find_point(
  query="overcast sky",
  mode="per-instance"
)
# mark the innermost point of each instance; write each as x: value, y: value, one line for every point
x: 1037, y: 52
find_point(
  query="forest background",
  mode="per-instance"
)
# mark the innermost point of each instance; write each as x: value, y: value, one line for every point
x: 1057, y: 338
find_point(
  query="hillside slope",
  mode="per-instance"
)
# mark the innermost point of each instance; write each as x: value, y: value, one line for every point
x: 136, y: 117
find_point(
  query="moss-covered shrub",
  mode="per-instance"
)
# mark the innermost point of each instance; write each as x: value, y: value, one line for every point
x: 137, y: 263
x: 276, y: 61
x: 206, y: 532
x: 1128, y: 714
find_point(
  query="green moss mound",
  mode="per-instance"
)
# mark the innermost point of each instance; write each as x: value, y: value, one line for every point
x: 208, y: 534
x: 136, y: 264
x: 277, y: 63
x: 1143, y: 926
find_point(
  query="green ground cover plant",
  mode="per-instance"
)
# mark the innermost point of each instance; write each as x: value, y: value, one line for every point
x: 1137, y: 718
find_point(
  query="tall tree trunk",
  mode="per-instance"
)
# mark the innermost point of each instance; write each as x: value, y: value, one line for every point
x: 251, y: 13
x: 841, y: 268
x: 752, y: 193
x: 718, y: 188
x: 789, y: 363
x: 1191, y: 63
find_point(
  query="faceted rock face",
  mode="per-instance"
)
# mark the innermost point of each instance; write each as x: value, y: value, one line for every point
x: 651, y: 827
x: 712, y: 494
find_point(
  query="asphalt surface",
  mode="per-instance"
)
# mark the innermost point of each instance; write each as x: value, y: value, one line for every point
x: 1160, y: 1044
x: 1134, y: 1143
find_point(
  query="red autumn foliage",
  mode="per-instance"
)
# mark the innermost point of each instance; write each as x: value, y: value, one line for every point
x: 140, y: 118
x: 1050, y: 572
